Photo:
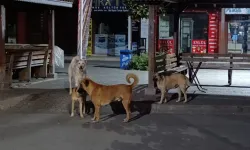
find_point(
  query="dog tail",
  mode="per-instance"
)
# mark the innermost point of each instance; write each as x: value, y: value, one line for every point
x: 136, y: 79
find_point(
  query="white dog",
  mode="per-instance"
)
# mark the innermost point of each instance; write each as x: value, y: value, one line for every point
x: 76, y: 71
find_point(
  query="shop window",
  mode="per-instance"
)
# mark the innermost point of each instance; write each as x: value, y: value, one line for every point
x: 193, y: 26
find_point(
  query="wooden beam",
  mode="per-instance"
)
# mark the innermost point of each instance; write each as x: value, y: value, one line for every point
x: 21, y: 28
x: 222, y: 31
x: 51, y: 30
x: 150, y: 90
x: 2, y: 49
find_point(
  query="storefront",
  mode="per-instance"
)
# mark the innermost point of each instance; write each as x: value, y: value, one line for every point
x: 110, y: 27
x: 238, y: 29
x: 198, y: 32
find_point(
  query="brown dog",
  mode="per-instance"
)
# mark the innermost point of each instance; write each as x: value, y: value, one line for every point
x: 172, y: 81
x: 104, y: 94
x: 76, y: 96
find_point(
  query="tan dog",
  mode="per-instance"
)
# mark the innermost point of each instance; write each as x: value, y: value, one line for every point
x: 77, y: 97
x: 104, y: 94
x: 167, y: 82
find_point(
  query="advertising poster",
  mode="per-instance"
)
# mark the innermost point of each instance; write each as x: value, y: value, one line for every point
x: 213, y: 33
x: 120, y: 43
x: 111, y: 45
x: 166, y: 45
x: 101, y: 44
x: 199, y: 46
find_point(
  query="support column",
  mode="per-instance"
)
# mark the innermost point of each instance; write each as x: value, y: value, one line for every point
x: 176, y: 32
x: 129, y: 33
x: 222, y: 32
x: 2, y: 48
x: 21, y: 28
x: 150, y: 90
x: 51, y: 30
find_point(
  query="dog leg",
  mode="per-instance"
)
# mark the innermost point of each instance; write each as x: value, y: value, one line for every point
x: 80, y: 109
x: 97, y: 114
x: 183, y: 89
x: 70, y: 82
x: 126, y: 105
x: 72, y: 108
x: 179, y: 95
x: 162, y: 96
x: 84, y: 107
x: 166, y: 99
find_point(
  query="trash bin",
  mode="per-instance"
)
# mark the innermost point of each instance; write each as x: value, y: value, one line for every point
x: 125, y: 58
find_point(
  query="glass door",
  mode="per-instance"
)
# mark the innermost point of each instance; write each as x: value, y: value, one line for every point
x: 186, y: 34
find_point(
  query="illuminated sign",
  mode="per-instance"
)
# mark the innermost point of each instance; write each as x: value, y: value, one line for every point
x: 240, y: 11
x: 109, y: 6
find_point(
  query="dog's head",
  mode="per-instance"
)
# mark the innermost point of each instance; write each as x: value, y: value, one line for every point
x: 156, y: 77
x: 81, y: 64
x: 87, y: 85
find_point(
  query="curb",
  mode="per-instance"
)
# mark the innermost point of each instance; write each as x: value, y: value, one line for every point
x: 199, y: 109
x: 96, y: 59
x: 184, y: 109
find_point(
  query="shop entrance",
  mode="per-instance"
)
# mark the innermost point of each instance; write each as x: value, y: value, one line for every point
x: 238, y: 34
x: 186, y: 34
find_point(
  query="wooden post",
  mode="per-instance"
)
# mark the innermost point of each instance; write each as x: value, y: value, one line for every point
x: 150, y: 90
x: 176, y: 33
x: 51, y: 30
x: 2, y: 49
x: 21, y: 28
x: 222, y: 39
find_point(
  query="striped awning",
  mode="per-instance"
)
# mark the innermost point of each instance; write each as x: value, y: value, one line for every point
x: 61, y: 3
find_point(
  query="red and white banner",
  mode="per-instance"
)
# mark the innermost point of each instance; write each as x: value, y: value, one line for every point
x: 213, y: 28
x: 84, y: 13
x: 199, y: 46
x: 166, y: 45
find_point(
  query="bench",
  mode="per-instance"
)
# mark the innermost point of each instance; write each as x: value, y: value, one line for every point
x: 29, y: 60
x: 215, y: 61
x: 168, y: 62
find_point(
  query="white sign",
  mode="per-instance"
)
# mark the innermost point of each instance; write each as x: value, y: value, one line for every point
x: 144, y: 28
x: 163, y: 27
x: 240, y: 11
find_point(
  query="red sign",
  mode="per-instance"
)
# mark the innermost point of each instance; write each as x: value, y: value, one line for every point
x: 166, y: 45
x: 199, y: 46
x: 213, y: 32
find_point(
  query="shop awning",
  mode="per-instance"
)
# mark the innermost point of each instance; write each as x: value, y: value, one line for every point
x: 61, y: 3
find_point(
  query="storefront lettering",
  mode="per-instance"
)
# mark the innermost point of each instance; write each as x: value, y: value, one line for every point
x: 109, y: 5
x: 199, y: 42
x: 237, y: 10
x: 233, y: 10
x: 105, y: 3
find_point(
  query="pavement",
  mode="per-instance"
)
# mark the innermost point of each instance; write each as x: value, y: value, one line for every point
x: 52, y: 94
x: 42, y: 131
x: 36, y: 115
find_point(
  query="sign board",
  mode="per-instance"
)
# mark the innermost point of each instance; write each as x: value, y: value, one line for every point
x: 163, y: 27
x: 199, y: 46
x: 166, y: 45
x: 109, y: 6
x: 240, y: 11
x: 213, y: 34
